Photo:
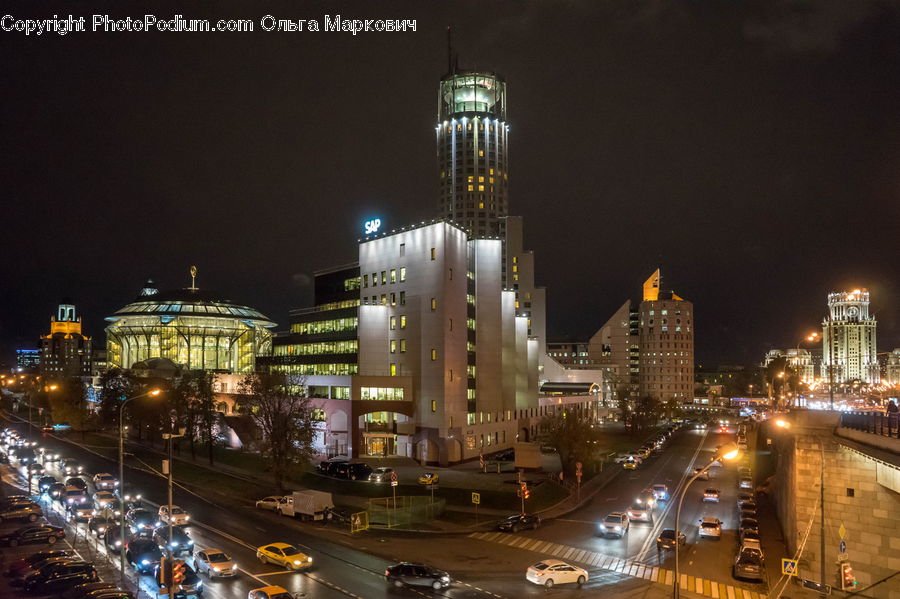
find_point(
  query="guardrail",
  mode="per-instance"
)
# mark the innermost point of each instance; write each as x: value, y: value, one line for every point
x: 876, y: 423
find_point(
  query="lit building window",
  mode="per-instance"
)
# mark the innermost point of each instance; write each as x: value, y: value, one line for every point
x: 433, y: 304
x: 402, y: 273
x: 393, y: 370
x: 403, y: 346
x: 384, y: 277
x: 393, y: 275
x: 434, y: 405
x: 402, y: 321
x: 433, y: 253
x: 433, y: 355
x: 393, y: 346
x: 393, y: 322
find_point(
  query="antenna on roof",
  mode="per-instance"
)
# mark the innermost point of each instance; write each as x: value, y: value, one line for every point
x: 193, y: 278
x: 449, y: 49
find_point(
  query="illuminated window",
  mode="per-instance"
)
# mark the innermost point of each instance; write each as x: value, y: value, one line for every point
x: 515, y: 277
x: 434, y: 405
x: 393, y: 275
x: 471, y: 188
x: 433, y: 304
x: 481, y: 205
x: 515, y: 259
x: 384, y: 299
x: 481, y: 153
x: 481, y: 179
x: 481, y: 188
x: 384, y: 277
x: 433, y: 355
x: 515, y: 268
x: 393, y: 322
x: 393, y: 370
x: 393, y: 346
x: 492, y: 171
x: 491, y: 180
x: 402, y: 273
x: 393, y: 299
x: 433, y: 253
x: 403, y: 321
x: 471, y: 178
x: 517, y: 304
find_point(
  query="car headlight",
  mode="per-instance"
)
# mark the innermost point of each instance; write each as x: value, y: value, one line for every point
x: 101, y: 529
x: 217, y: 568
x: 603, y: 526
x: 187, y: 517
x: 190, y: 543
x: 445, y: 578
x: 118, y: 543
x: 158, y: 523
x: 145, y: 562
x: 618, y: 528
x: 173, y: 544
x: 296, y: 562
x: 199, y: 583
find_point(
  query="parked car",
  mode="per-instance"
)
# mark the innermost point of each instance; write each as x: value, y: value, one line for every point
x: 666, y: 539
x: 285, y: 555
x: 429, y: 478
x: 81, y: 591
x: 177, y: 515
x: 327, y: 467
x: 105, y: 481
x: 749, y: 524
x: 748, y: 511
x: 215, y: 563
x: 352, y: 470
x: 381, y: 475
x: 615, y: 524
x: 179, y: 543
x: 29, y: 511
x: 16, y: 567
x: 56, y: 578
x: 550, y: 572
x: 751, y: 540
x: 748, y: 565
x: 711, y: 495
x: 143, y: 554
x: 22, y: 575
x: 711, y: 527
x: 269, y: 503
x: 417, y: 575
x: 518, y: 522
x: 743, y: 498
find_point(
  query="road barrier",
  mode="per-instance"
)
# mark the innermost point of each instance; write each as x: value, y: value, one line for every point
x: 876, y: 423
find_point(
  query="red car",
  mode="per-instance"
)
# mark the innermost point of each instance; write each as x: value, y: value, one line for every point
x: 22, y: 565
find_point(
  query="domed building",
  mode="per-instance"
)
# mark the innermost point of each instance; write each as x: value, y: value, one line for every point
x: 194, y: 329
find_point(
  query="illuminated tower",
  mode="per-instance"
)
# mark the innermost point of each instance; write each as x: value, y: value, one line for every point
x: 472, y: 141
x: 848, y: 339
x: 65, y: 352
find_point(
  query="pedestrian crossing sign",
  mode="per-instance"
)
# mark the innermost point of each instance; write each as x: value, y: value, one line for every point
x: 789, y: 566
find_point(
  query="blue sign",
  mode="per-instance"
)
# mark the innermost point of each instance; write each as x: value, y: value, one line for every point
x: 842, y: 546
x: 372, y: 225
x: 789, y: 566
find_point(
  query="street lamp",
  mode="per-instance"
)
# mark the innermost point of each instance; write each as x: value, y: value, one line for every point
x: 152, y: 393
x: 726, y: 452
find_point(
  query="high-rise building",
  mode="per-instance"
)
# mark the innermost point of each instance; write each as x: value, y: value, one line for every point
x: 28, y: 360
x: 618, y: 344
x: 472, y: 141
x: 848, y: 339
x: 800, y: 361
x: 892, y: 368
x: 666, y: 344
x: 66, y: 351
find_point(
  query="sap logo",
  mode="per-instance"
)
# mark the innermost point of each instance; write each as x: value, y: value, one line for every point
x: 372, y: 226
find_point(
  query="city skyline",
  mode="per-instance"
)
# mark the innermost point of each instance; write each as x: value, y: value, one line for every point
x: 696, y: 185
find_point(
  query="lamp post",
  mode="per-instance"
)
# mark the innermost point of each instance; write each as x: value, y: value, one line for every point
x: 726, y: 452
x: 153, y: 393
x: 167, y: 572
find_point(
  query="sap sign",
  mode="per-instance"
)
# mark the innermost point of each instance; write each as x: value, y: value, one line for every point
x: 372, y: 226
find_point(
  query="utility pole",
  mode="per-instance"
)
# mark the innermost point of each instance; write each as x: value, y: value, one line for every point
x: 822, y: 514
x: 167, y: 469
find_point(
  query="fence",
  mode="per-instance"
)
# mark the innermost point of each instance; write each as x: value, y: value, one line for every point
x: 389, y: 512
x: 887, y: 425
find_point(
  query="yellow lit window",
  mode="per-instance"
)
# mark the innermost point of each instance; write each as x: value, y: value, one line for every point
x: 471, y: 188
x: 492, y: 172
x: 481, y: 179
x: 393, y: 346
x: 402, y: 273
x: 481, y: 188
x: 434, y: 401
x: 469, y: 126
x: 459, y: 127
x: 515, y: 259
x: 481, y: 205
x: 433, y: 304
x: 393, y: 370
x: 515, y: 268
x: 403, y: 346
x: 517, y: 304
x: 393, y: 299
x: 490, y: 179
x: 383, y: 299
x: 433, y: 253
x: 471, y: 178
x: 515, y: 277
x: 433, y: 355
x: 393, y: 275
x: 393, y: 322
x: 481, y: 153
x: 403, y: 324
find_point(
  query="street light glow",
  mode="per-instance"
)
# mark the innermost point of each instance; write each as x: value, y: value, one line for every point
x: 155, y: 392
x: 782, y: 423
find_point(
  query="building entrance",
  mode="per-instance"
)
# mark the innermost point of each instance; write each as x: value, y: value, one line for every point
x: 379, y: 444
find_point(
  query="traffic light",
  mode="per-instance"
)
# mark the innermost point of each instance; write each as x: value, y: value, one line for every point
x: 848, y: 580
x: 527, y: 493
x: 162, y: 573
x: 178, y: 572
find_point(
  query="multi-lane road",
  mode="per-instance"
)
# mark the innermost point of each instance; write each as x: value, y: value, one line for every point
x: 346, y: 566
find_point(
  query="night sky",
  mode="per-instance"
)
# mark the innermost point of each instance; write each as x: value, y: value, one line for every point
x: 749, y: 149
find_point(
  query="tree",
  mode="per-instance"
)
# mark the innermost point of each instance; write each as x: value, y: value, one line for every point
x: 572, y: 437
x: 646, y: 412
x: 68, y: 404
x: 115, y: 386
x: 283, y: 417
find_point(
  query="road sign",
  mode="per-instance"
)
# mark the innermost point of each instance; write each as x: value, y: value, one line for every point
x: 476, y: 498
x: 843, y: 556
x: 789, y: 566
x: 842, y: 546
x: 842, y: 532
x: 816, y: 586
x: 578, y: 476
x: 393, y: 483
x: 393, y: 476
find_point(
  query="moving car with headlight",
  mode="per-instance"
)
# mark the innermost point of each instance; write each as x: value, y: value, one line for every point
x: 51, y: 456
x: 191, y: 585
x: 74, y: 495
x: 630, y: 464
x: 272, y: 592
x: 429, y: 478
x: 38, y: 533
x: 36, y: 469
x: 178, y: 516
x: 112, y: 538
x: 283, y: 554
x: 661, y: 492
x: 640, y: 512
x: 614, y: 525
x: 140, y: 520
x: 711, y: 495
x: 105, y: 481
x: 550, y: 572
x: 519, y: 522
x: 70, y: 466
x: 417, y: 575
x: 748, y: 565
x: 143, y: 554
x: 179, y: 543
x: 711, y: 528
x: 57, y: 491
x: 81, y: 512
x: 666, y: 539
x: 104, y: 500
x: 98, y: 524
x: 214, y: 563
x: 701, y: 475
x: 45, y: 482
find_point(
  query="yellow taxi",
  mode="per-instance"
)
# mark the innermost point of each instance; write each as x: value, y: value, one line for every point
x: 283, y: 554
x: 630, y: 465
x: 429, y: 478
x: 273, y: 592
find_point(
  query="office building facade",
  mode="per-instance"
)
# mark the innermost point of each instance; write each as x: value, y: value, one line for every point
x: 848, y: 339
x: 66, y: 350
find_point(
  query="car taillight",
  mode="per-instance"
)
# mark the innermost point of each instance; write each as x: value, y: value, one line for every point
x: 387, y: 572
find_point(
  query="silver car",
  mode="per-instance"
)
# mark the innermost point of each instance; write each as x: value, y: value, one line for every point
x: 214, y: 563
x: 381, y: 475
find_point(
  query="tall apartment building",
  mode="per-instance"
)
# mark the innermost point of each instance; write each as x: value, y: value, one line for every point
x: 848, y: 339
x: 66, y: 351
x: 666, y: 344
x: 617, y: 345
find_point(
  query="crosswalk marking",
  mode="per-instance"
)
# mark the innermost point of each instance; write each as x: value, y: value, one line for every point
x: 730, y: 590
x: 715, y: 590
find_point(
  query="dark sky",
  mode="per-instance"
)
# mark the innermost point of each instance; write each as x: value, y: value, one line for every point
x: 750, y: 149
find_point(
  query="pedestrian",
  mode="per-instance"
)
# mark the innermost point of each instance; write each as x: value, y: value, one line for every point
x: 892, y: 407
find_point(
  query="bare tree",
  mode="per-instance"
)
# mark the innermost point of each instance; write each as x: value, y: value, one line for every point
x: 284, y: 418
x: 571, y: 436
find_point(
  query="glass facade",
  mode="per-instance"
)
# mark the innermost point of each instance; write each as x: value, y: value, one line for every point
x: 325, y: 326
x: 381, y: 393
x: 314, y: 349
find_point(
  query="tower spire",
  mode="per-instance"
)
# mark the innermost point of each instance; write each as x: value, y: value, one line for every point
x: 450, y: 69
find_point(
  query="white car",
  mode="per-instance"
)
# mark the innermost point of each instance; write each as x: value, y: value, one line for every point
x: 551, y: 572
x: 269, y: 503
x: 711, y: 495
x: 104, y: 499
x: 178, y: 515
x: 214, y: 563
x: 746, y: 483
x: 640, y: 512
x: 105, y: 482
x: 711, y: 527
